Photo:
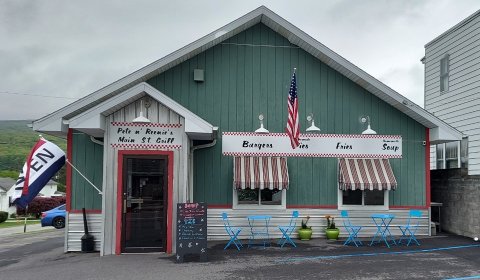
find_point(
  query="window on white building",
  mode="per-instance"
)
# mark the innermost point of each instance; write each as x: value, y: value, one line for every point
x: 464, y: 153
x: 440, y: 157
x: 452, y: 154
x: 444, y: 73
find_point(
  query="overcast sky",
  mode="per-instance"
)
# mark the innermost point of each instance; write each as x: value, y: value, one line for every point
x: 54, y: 52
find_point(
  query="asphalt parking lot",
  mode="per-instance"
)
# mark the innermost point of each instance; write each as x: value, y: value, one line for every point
x: 438, y: 257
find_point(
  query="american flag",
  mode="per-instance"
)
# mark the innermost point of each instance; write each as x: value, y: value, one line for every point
x: 293, y: 128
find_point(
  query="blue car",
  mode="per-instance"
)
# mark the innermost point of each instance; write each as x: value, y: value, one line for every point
x: 54, y: 217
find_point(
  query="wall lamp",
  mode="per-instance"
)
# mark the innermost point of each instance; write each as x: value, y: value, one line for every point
x: 369, y: 130
x: 312, y: 128
x: 261, y: 129
x: 141, y: 118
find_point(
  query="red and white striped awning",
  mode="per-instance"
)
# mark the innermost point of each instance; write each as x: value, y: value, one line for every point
x: 365, y: 174
x: 260, y: 173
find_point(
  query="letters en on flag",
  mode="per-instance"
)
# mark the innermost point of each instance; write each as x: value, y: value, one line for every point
x: 293, y: 128
x: 43, y: 162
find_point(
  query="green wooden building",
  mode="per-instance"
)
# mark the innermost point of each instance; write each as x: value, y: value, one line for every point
x: 220, y: 84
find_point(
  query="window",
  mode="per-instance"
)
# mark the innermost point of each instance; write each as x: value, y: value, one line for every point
x: 444, y: 73
x: 265, y: 198
x: 440, y: 158
x: 351, y: 199
x: 452, y: 154
x: 464, y: 153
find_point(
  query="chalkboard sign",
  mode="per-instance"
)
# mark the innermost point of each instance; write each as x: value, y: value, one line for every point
x: 191, y: 230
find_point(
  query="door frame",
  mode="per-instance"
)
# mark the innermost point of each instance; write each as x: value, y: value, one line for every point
x: 119, y: 228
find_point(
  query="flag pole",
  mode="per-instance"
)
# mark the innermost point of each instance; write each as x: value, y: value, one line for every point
x: 67, y: 161
x: 25, y: 222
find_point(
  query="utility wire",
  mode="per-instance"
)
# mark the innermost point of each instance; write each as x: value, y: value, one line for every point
x: 37, y: 95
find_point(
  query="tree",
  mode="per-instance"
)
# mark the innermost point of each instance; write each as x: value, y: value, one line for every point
x: 41, y: 204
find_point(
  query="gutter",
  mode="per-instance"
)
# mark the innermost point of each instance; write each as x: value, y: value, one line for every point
x: 190, y: 163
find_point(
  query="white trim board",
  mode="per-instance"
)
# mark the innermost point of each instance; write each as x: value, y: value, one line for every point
x: 92, y: 121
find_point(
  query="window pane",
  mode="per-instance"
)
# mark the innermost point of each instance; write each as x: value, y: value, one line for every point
x: 440, y: 162
x: 464, y: 153
x: 439, y: 151
x: 271, y: 197
x: 444, y: 66
x: 444, y: 73
x: 451, y: 150
x: 451, y: 163
x: 352, y: 197
x: 247, y: 196
x: 451, y: 154
x: 374, y: 197
x: 444, y: 83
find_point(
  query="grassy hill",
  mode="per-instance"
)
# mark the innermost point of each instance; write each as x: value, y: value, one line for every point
x: 16, y: 142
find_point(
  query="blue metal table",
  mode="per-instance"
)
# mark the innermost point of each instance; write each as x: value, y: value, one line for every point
x: 259, y: 230
x: 382, y: 222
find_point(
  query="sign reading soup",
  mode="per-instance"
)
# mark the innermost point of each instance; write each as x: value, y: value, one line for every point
x: 312, y: 145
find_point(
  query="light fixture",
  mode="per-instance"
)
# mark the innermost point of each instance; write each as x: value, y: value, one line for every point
x: 369, y: 130
x: 261, y: 129
x: 141, y: 118
x: 312, y: 128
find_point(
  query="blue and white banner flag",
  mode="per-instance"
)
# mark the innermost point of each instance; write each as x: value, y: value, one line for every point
x: 44, y: 161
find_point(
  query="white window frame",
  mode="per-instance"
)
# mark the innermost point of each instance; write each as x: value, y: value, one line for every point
x: 385, y: 206
x: 235, y: 204
x: 445, y: 76
x: 444, y: 155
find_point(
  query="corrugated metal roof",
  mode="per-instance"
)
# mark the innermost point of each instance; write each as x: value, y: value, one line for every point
x: 283, y: 27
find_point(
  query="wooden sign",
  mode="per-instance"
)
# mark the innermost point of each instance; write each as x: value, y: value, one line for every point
x: 191, y: 230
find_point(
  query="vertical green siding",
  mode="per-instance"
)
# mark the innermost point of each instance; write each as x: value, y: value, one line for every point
x: 250, y: 74
x: 87, y: 157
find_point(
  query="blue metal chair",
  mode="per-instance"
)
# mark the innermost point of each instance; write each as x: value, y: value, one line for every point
x: 288, y: 230
x: 409, y: 230
x: 233, y: 232
x: 352, y: 230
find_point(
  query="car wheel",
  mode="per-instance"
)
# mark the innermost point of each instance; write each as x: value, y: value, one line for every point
x: 59, y: 222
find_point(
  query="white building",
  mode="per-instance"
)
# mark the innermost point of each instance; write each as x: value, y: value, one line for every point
x: 7, y: 190
x: 452, y: 92
x: 5, y: 186
x: 50, y: 190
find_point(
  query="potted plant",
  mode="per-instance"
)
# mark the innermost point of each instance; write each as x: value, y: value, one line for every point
x: 305, y: 232
x: 331, y: 231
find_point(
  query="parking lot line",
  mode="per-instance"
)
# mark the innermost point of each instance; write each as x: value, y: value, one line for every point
x: 469, y: 277
x: 299, y: 259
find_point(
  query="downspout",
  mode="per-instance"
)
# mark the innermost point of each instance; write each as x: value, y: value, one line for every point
x: 190, y: 159
x: 96, y: 141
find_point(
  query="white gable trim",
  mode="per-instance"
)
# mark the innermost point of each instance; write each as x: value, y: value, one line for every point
x: 92, y: 121
x: 53, y: 123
